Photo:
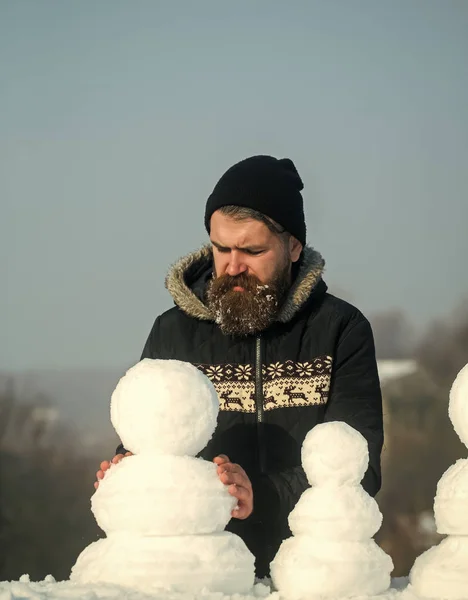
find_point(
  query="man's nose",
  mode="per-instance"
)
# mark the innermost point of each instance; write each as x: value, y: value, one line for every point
x: 236, y: 265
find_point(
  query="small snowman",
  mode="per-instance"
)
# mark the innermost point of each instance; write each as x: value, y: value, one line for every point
x: 163, y: 510
x: 442, y: 571
x: 332, y: 553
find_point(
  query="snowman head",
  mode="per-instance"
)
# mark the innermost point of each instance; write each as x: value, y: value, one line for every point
x: 164, y: 406
x: 458, y: 405
x: 334, y: 454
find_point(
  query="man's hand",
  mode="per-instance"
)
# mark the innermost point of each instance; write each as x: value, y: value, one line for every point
x: 106, y: 464
x: 239, y: 484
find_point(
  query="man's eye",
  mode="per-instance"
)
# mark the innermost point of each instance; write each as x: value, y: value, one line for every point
x: 223, y: 250
x: 254, y: 253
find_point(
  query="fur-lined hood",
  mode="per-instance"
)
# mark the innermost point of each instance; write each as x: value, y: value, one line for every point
x: 184, y: 274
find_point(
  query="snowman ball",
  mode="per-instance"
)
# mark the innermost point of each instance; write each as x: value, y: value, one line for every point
x: 166, y: 407
x: 451, y: 500
x: 334, y: 453
x: 458, y: 405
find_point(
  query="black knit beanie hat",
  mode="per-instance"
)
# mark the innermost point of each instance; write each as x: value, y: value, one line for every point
x: 269, y: 185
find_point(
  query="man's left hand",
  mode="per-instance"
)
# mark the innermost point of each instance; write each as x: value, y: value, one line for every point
x: 238, y: 484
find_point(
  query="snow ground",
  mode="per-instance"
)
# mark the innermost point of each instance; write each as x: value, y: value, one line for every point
x: 49, y: 589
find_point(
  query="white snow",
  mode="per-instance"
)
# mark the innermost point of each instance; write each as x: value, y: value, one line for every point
x: 217, y: 562
x: 65, y: 590
x: 458, y: 405
x: 451, y: 501
x: 152, y: 494
x: 164, y: 511
x: 332, y: 553
x: 393, y: 369
x: 304, y: 568
x: 334, y: 453
x: 167, y: 406
x: 346, y: 513
x: 442, y: 571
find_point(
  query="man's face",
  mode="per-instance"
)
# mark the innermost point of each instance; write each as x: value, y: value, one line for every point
x: 252, y: 273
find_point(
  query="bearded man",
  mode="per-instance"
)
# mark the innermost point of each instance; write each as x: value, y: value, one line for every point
x: 253, y: 313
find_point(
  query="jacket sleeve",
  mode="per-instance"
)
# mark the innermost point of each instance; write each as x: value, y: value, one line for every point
x: 355, y: 398
x: 152, y: 345
x: 150, y: 350
x: 355, y: 394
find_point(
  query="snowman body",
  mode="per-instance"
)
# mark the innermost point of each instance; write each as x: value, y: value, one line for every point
x: 332, y: 553
x: 442, y: 571
x: 163, y: 510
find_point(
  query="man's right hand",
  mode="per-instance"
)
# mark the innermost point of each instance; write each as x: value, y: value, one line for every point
x: 106, y: 464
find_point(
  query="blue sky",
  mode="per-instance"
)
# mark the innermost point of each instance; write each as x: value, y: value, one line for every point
x: 117, y: 118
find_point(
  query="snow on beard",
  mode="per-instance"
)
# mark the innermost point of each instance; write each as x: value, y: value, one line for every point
x: 248, y: 312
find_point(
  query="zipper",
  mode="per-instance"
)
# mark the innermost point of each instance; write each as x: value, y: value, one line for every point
x: 259, y: 405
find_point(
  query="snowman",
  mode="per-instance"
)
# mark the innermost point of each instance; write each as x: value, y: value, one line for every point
x: 332, y: 553
x: 163, y: 510
x: 442, y: 571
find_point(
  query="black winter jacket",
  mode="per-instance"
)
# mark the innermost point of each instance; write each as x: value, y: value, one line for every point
x: 316, y: 363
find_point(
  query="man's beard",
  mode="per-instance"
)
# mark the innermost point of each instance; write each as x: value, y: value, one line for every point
x: 252, y: 310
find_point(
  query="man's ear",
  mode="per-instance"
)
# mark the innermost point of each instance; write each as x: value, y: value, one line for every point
x: 295, y: 249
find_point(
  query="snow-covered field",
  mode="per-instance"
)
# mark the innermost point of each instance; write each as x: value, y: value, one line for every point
x: 49, y: 589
